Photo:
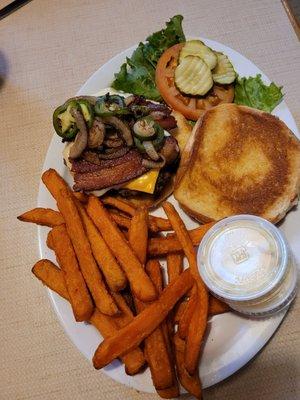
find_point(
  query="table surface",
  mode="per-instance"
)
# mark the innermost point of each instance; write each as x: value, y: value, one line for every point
x: 48, y: 50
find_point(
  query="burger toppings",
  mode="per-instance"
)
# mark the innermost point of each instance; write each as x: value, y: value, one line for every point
x: 114, y: 140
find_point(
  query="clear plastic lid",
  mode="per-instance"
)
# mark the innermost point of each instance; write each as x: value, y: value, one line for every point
x: 242, y: 258
x: 275, y: 301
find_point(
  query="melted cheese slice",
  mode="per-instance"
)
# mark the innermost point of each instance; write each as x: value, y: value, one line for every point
x: 144, y: 183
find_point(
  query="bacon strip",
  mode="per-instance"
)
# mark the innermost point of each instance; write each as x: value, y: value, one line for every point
x: 126, y: 168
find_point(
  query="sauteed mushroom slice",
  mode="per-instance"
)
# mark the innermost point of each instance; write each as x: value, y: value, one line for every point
x: 96, y: 134
x: 81, y: 138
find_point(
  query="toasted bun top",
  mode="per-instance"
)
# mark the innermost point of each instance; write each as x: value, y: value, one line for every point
x: 239, y: 160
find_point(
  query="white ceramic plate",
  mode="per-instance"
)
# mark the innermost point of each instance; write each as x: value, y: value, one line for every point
x: 231, y: 339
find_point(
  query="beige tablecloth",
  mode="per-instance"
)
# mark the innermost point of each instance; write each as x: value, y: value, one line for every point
x: 47, y: 50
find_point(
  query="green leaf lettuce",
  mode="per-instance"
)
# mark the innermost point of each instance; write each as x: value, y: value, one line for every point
x: 252, y: 92
x: 137, y: 75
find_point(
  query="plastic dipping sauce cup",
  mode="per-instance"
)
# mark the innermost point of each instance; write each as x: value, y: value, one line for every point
x: 246, y: 262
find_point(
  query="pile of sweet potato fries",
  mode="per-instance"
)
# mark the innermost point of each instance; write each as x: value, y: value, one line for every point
x: 107, y: 252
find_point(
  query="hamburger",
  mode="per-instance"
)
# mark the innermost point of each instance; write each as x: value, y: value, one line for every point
x: 119, y: 145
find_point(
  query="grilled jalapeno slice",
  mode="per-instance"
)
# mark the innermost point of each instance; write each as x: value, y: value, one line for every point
x: 87, y: 111
x: 64, y: 122
x: 145, y: 128
x: 157, y: 142
x: 110, y: 105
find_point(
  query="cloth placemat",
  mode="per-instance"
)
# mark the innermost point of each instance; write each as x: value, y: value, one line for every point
x: 47, y: 51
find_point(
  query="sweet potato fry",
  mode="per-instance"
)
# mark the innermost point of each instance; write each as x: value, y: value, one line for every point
x: 140, y: 283
x: 216, y: 306
x: 165, y: 245
x: 143, y: 324
x: 121, y: 205
x: 90, y: 271
x: 183, y: 237
x: 156, y: 351
x: 153, y: 269
x: 179, y: 311
x: 184, y: 322
x: 158, y: 359
x: 82, y: 197
x: 191, y: 383
x: 51, y: 276
x: 79, y: 296
x: 126, y: 315
x: 133, y: 360
x: 196, y: 331
x: 198, y: 322
x: 174, y: 265
x: 138, y: 234
x: 120, y: 220
x: 49, y: 240
x: 114, y: 275
x: 42, y: 216
x: 54, y: 182
x: 174, y: 269
x: 169, y: 393
x: 156, y: 224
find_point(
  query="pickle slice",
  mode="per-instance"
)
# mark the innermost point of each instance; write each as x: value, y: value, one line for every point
x: 198, y: 48
x: 224, y: 72
x: 193, y: 76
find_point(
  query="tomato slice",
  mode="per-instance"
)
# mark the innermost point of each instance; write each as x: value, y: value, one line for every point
x: 192, y: 107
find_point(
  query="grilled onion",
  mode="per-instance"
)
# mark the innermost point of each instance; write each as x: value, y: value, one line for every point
x: 154, y: 164
x: 122, y: 127
x: 150, y: 150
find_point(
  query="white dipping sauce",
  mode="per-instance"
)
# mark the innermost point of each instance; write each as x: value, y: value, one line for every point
x: 245, y: 261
